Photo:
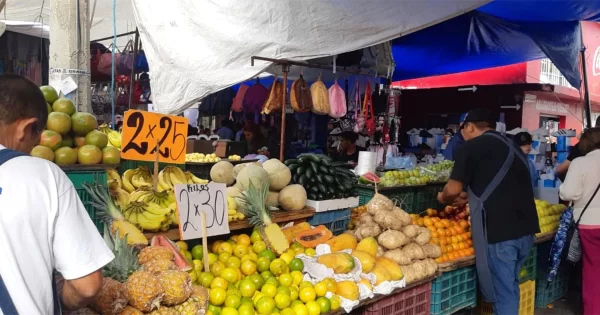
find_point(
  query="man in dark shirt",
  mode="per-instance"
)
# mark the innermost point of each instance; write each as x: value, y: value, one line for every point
x: 504, y: 218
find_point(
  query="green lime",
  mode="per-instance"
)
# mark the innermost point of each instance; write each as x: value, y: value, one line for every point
x: 296, y: 264
x: 197, y: 252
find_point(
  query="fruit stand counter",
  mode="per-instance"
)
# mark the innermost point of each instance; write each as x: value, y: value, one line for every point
x: 418, y: 292
x: 412, y: 199
x: 278, y: 217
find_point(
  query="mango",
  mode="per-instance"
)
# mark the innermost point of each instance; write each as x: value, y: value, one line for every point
x: 341, y: 242
x: 368, y: 245
x: 339, y: 262
x: 348, y: 290
x: 367, y: 261
x: 392, y: 268
x: 381, y: 274
x: 366, y: 282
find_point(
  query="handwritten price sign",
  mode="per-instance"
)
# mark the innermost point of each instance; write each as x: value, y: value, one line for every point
x: 194, y: 199
x: 142, y: 131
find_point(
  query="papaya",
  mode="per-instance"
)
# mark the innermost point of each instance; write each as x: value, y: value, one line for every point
x: 368, y: 245
x: 348, y: 290
x: 367, y: 260
x: 381, y: 274
x: 391, y: 267
x: 341, y: 242
x: 313, y: 237
x: 366, y: 282
x: 290, y: 232
x: 339, y: 262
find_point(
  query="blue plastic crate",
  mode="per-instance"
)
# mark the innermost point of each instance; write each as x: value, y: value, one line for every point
x: 561, y: 156
x: 562, y: 144
x: 336, y: 221
x: 453, y: 291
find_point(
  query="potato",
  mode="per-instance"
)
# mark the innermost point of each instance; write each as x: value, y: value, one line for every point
x: 409, y: 273
x: 432, y: 251
x: 423, y: 237
x: 430, y: 267
x: 420, y: 269
x: 379, y: 202
x: 380, y: 251
x: 366, y: 219
x: 414, y: 251
x: 398, y: 256
x: 364, y: 231
x: 392, y: 239
x: 411, y: 231
x: 387, y: 220
x: 402, y: 216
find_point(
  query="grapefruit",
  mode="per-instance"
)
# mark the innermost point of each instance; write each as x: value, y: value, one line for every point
x: 59, y: 122
x: 89, y: 154
x: 79, y: 141
x: 96, y: 138
x: 43, y: 152
x: 67, y: 141
x: 51, y: 139
x: 64, y: 105
x: 65, y: 156
x: 49, y: 108
x: 49, y: 93
x: 112, y: 155
x: 83, y: 123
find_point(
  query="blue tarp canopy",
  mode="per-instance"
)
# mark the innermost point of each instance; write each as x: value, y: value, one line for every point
x: 499, y: 33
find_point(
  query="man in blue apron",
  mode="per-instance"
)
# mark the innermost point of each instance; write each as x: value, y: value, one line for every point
x: 503, y: 216
x: 43, y: 224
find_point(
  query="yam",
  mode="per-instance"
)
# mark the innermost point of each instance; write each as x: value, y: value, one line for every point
x: 398, y: 256
x: 380, y: 251
x: 414, y: 251
x: 392, y: 239
x: 432, y: 251
x: 430, y: 267
x: 365, y: 231
x: 411, y: 231
x: 419, y: 269
x: 409, y: 273
x: 423, y: 237
x: 379, y: 202
x: 387, y: 220
x: 366, y: 219
x: 402, y: 216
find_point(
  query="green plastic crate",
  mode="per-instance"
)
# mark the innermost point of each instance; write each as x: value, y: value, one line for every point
x: 88, y: 175
x: 453, y: 291
x: 529, y: 268
x: 412, y: 199
x: 548, y: 292
x: 426, y: 197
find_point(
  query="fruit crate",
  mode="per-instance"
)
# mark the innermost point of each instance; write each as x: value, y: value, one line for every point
x: 426, y: 197
x: 403, y: 197
x: 529, y: 268
x: 131, y: 164
x: 414, y: 301
x: 548, y: 292
x: 453, y: 291
x: 336, y: 221
x: 88, y: 175
x: 526, y: 303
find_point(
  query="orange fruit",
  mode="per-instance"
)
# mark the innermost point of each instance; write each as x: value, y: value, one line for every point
x: 434, y: 234
x: 427, y: 222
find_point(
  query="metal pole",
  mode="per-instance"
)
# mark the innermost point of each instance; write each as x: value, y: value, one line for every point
x: 586, y: 93
x: 285, y: 69
x: 132, y: 76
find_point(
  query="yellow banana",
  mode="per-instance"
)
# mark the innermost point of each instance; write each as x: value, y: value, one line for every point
x: 174, y: 176
x: 121, y: 196
x: 179, y: 174
x: 112, y: 173
x: 139, y: 180
x: 126, y: 180
x: 158, y: 210
x: 197, y: 180
x: 149, y: 221
x: 188, y: 177
x: 164, y: 181
x: 114, y: 138
x: 140, y: 195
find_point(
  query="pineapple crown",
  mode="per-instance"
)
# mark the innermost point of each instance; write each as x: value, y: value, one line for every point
x: 125, y: 262
x: 106, y: 209
x: 253, y: 200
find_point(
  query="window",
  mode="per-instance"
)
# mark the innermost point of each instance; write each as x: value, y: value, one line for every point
x: 550, y: 74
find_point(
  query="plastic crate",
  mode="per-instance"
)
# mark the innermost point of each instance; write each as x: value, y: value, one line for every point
x: 426, y: 197
x: 336, y: 221
x: 403, y: 197
x: 364, y: 194
x: 454, y: 290
x: 414, y: 301
x: 526, y: 303
x: 529, y: 268
x: 548, y: 292
x: 88, y: 176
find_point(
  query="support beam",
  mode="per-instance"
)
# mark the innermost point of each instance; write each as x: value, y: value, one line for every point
x: 69, y: 46
x: 2, y: 4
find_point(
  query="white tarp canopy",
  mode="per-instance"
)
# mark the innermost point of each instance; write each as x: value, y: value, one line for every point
x: 195, y: 48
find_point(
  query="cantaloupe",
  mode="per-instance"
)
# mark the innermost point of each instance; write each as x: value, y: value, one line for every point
x: 292, y: 198
x: 279, y: 174
x: 253, y: 173
x: 222, y: 172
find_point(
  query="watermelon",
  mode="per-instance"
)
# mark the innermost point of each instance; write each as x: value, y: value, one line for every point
x: 369, y: 178
x: 180, y: 262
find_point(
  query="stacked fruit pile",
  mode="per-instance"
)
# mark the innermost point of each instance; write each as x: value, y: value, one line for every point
x: 71, y: 137
x: 450, y: 230
x: 322, y: 178
x: 398, y: 239
x: 234, y: 157
x: 202, y: 158
x: 431, y: 173
x: 548, y: 215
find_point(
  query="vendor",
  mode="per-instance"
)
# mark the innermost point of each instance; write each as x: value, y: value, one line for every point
x: 524, y: 141
x: 503, y: 214
x: 347, y: 148
x: 256, y: 142
x: 455, y: 142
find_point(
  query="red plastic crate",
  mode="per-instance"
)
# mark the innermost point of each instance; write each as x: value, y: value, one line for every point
x: 413, y: 301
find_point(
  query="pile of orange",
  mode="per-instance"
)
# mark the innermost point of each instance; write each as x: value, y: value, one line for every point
x: 453, y: 237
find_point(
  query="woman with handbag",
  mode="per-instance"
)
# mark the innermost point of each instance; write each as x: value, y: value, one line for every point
x: 581, y: 187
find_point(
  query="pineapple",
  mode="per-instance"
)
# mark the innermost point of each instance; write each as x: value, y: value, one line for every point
x: 154, y: 253
x: 131, y: 311
x: 177, y: 286
x: 159, y: 265
x: 196, y: 304
x: 144, y: 291
x: 109, y: 212
x: 163, y: 310
x: 112, y: 298
x: 259, y: 215
x: 82, y: 311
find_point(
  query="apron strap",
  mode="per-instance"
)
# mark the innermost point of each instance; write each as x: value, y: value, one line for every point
x: 512, y: 152
x: 511, y: 146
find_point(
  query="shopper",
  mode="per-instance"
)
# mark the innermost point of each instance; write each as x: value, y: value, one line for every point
x: 225, y: 132
x: 43, y: 224
x: 581, y: 187
x: 256, y: 142
x: 524, y: 141
x: 455, y: 142
x: 347, y: 149
x: 575, y: 152
x: 503, y: 215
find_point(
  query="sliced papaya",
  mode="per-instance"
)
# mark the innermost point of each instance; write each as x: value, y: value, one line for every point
x: 313, y: 237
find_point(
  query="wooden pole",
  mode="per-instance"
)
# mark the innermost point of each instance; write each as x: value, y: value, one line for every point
x: 285, y: 68
x: 155, y: 176
x: 204, y: 241
x: 132, y: 76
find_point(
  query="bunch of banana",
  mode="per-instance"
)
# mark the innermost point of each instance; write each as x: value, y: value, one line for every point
x: 114, y: 137
x: 192, y: 179
x: 149, y: 195
x: 232, y: 214
x: 113, y: 174
x: 136, y: 178
x: 148, y: 216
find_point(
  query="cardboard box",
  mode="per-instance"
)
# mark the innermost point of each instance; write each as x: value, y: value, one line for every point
x: 199, y: 146
x: 333, y: 204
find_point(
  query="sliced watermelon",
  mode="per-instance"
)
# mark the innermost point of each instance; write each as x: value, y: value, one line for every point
x: 180, y: 262
x: 370, y: 177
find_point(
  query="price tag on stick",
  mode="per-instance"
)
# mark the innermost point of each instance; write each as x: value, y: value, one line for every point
x: 143, y: 130
x: 195, y: 199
